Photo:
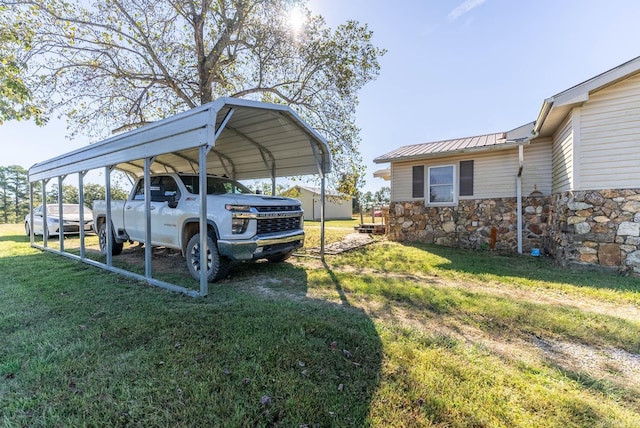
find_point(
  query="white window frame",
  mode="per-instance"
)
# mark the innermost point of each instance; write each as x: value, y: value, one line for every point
x: 427, y: 194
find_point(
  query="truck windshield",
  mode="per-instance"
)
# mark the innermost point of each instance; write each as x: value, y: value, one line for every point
x: 215, y: 185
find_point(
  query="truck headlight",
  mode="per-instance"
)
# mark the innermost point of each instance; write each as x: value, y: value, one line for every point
x: 231, y: 207
x: 239, y: 225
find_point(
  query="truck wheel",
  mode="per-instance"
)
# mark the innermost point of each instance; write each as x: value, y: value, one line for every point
x: 280, y: 257
x: 116, y: 247
x: 217, y: 266
x: 27, y: 229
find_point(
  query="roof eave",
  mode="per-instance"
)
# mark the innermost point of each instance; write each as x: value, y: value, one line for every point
x: 557, y: 106
x: 504, y: 146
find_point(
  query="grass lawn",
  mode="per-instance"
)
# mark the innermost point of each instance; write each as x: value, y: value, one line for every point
x: 386, y: 335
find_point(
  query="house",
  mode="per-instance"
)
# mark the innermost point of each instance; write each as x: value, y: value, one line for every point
x: 567, y: 184
x: 337, y: 206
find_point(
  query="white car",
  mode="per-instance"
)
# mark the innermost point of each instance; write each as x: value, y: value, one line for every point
x: 70, y: 223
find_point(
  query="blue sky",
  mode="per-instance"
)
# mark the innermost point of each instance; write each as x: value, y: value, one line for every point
x: 454, y: 68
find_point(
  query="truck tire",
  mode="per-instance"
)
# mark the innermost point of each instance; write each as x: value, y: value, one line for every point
x: 116, y: 247
x: 27, y: 229
x: 217, y: 266
x: 280, y: 257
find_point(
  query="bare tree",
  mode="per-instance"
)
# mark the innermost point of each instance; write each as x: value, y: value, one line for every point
x: 119, y: 64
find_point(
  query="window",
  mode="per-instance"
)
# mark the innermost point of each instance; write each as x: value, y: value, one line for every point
x: 163, y: 188
x: 441, y: 184
x: 466, y: 178
x: 215, y: 185
x: 418, y: 181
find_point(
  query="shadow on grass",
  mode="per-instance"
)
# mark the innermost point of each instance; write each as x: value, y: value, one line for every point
x: 338, y: 285
x: 479, y: 263
x: 82, y: 346
x: 16, y: 238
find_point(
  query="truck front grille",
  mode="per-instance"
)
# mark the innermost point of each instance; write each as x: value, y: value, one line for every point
x: 271, y: 225
x: 268, y: 209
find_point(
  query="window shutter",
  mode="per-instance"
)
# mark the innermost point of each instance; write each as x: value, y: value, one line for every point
x: 418, y: 181
x: 466, y: 178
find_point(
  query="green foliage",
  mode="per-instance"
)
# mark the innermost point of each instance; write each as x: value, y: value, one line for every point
x: 92, y: 191
x: 265, y: 188
x: 293, y: 192
x: 14, y: 193
x: 382, y: 196
x: 15, y: 95
x: 116, y: 65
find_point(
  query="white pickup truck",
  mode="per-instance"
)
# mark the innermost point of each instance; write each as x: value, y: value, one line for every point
x: 241, y: 225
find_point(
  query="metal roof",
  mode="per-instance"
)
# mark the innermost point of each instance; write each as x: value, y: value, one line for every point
x: 318, y: 191
x: 256, y: 140
x: 457, y: 145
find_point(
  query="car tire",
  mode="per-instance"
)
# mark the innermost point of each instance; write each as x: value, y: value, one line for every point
x: 280, y: 257
x: 116, y: 247
x: 27, y: 229
x: 217, y: 265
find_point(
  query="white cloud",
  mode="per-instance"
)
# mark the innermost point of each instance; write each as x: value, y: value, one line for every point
x: 465, y: 7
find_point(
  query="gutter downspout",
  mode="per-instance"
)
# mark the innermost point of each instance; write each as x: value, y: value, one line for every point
x: 519, y: 195
x: 522, y: 142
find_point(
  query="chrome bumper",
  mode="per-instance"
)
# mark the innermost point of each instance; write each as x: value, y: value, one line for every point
x: 261, y: 246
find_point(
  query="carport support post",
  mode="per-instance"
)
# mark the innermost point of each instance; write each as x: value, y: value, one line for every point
x: 45, y: 241
x: 147, y: 211
x: 107, y: 198
x: 322, y: 195
x: 81, y: 175
x: 31, y: 213
x: 60, y: 216
x: 202, y: 176
x: 321, y: 169
x: 273, y: 177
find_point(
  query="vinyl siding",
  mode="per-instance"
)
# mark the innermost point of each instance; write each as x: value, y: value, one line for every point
x: 562, y: 158
x: 401, y: 181
x: 494, y: 174
x: 537, y: 167
x: 610, y: 138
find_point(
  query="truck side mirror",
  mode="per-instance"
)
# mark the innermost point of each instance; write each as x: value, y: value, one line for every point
x: 171, y: 201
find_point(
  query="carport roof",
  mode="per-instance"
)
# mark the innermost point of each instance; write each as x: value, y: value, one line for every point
x: 255, y: 140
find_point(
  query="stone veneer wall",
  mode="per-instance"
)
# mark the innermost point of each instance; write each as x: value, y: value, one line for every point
x: 579, y: 228
x: 470, y: 223
x: 596, y: 228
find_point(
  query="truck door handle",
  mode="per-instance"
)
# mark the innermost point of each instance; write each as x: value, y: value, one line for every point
x: 129, y: 207
x: 153, y: 207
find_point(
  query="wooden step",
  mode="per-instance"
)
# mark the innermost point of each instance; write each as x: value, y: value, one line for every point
x: 376, y: 229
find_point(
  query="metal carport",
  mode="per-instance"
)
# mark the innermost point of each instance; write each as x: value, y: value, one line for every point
x: 240, y: 138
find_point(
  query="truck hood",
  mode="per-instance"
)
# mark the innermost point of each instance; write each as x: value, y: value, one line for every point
x: 253, y: 200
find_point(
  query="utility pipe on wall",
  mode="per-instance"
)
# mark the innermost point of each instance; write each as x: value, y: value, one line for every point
x: 519, y: 196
